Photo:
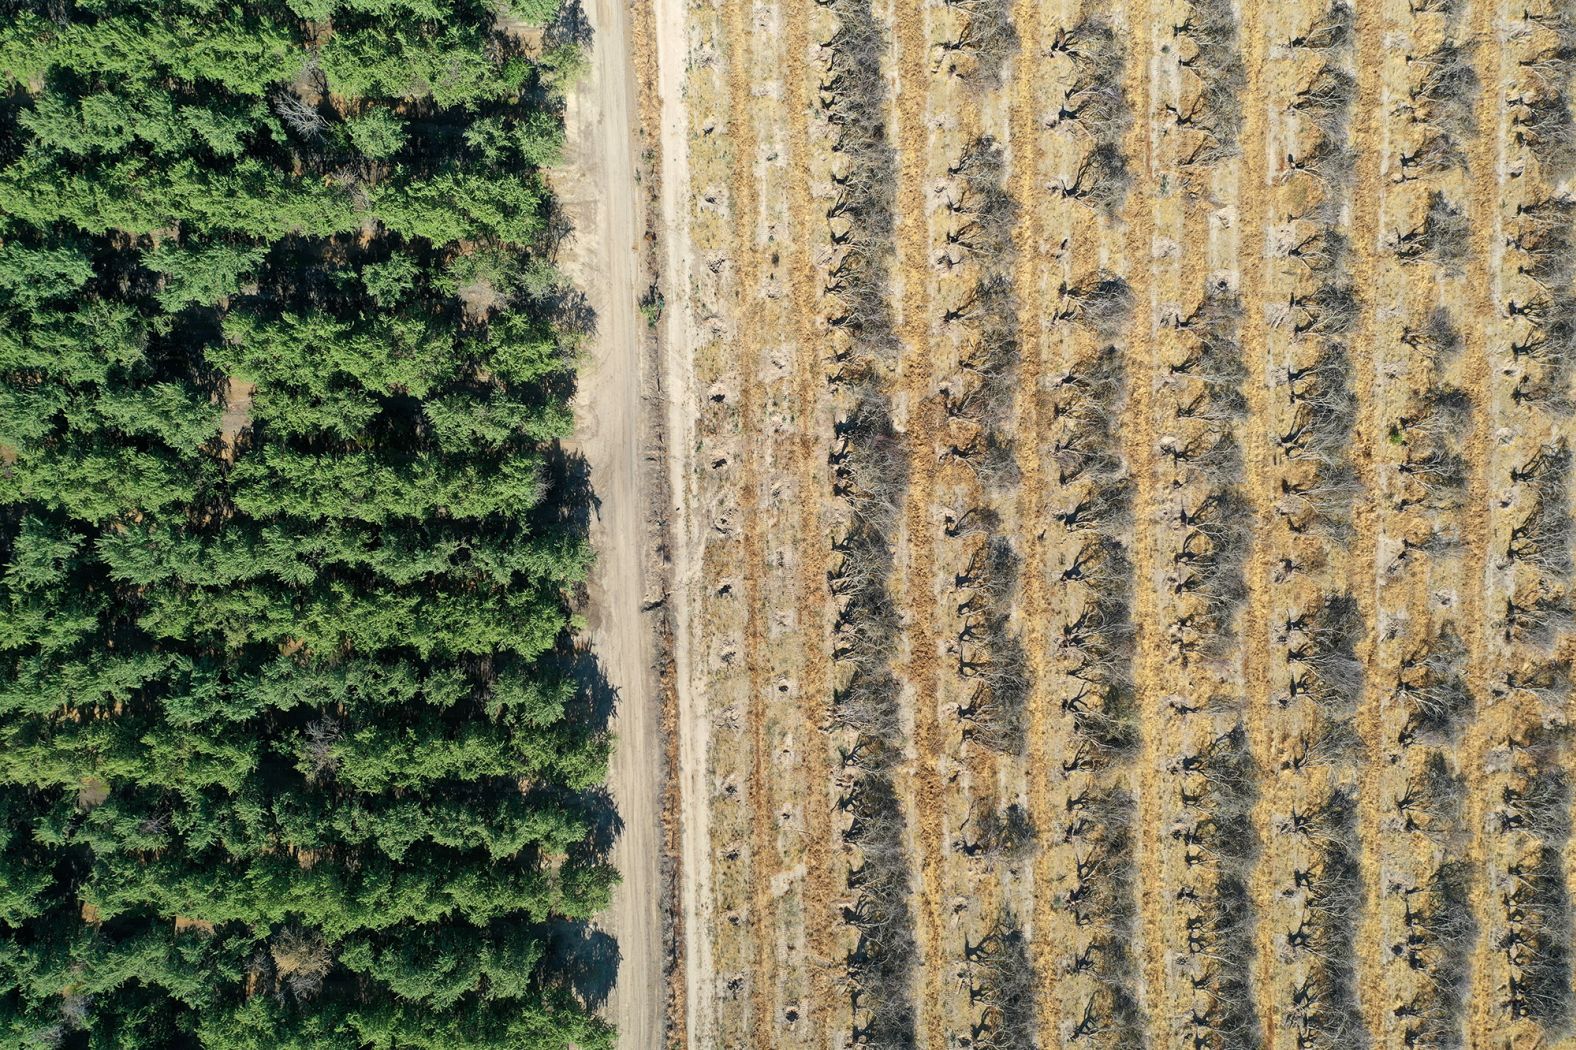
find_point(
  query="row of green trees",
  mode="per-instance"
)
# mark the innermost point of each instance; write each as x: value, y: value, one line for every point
x: 292, y: 752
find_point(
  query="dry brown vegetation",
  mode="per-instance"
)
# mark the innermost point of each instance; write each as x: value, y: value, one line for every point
x: 1129, y: 511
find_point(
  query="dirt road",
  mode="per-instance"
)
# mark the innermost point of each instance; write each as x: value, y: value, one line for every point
x: 602, y: 260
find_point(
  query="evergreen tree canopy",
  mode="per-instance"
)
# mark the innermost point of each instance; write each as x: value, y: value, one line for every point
x: 292, y: 753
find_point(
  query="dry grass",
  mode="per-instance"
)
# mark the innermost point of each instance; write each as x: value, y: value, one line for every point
x: 1130, y: 504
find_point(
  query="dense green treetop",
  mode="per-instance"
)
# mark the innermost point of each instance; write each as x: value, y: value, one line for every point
x: 294, y: 747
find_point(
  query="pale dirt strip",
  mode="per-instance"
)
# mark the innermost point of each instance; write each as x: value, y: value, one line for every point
x: 670, y: 19
x: 1371, y: 143
x: 1045, y: 924
x: 1257, y: 280
x: 611, y: 413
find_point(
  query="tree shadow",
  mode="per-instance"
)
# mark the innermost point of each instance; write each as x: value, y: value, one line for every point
x: 597, y: 698
x: 586, y: 958
x: 565, y: 304
x: 574, y: 500
x: 571, y: 26
x: 590, y: 711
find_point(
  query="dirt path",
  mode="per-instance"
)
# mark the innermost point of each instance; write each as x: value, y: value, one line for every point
x: 601, y: 259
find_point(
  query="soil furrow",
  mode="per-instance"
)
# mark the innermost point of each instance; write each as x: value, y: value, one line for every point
x: 759, y: 947
x: 1367, y: 206
x: 1260, y: 141
x: 1140, y: 439
x: 1029, y: 86
x: 1026, y: 152
x: 921, y: 420
x: 1487, y: 166
x: 812, y: 419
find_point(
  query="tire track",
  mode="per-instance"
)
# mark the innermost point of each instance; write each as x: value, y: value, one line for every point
x: 670, y: 46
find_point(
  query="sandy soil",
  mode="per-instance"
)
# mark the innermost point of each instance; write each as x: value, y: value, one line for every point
x: 602, y: 260
x: 670, y: 23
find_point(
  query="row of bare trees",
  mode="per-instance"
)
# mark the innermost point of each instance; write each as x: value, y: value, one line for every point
x: 1094, y: 640
x: 1324, y: 1006
x: 1540, y: 106
x: 1441, y: 90
x: 978, y: 254
x: 979, y: 401
x: 1209, y: 534
x: 1204, y: 551
x: 1318, y: 482
x: 1217, y: 783
x: 1092, y: 113
x: 1090, y: 504
x: 1437, y: 936
x: 1003, y: 987
x: 1533, y: 812
x: 1318, y: 631
x: 1437, y: 928
x: 1537, y: 548
x: 870, y: 477
x: 1424, y: 475
x: 1208, y: 114
x: 1531, y: 551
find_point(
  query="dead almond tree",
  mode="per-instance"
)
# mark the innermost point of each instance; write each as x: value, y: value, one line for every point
x: 1002, y: 987
x: 1093, y: 105
x: 987, y: 38
x: 1441, y: 238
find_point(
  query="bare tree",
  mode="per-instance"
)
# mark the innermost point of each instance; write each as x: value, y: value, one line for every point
x: 1545, y: 126
x: 1441, y: 238
x: 1103, y: 303
x: 1003, y: 984
x: 1438, y: 336
x: 1537, y: 616
x: 987, y: 36
x: 299, y: 115
x: 1544, y: 237
x: 1101, y: 180
x: 1329, y: 30
x: 301, y: 959
x: 1444, y: 88
x: 1005, y: 834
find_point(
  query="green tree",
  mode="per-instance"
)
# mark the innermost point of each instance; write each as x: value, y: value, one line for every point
x: 200, y: 273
